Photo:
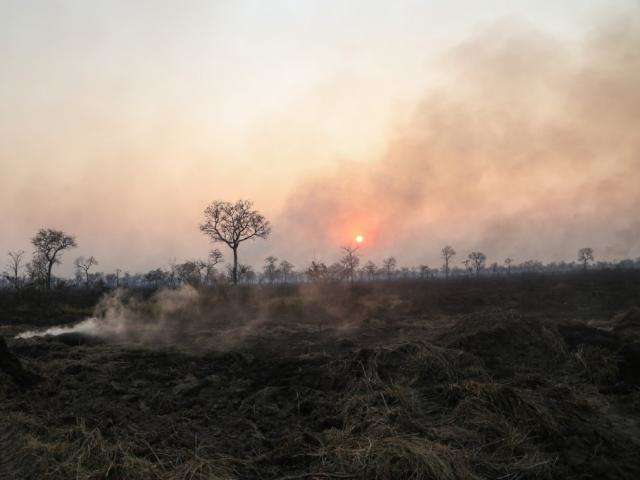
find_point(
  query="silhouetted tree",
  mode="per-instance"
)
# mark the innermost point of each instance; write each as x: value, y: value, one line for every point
x: 37, y: 271
x: 585, y: 255
x: 389, y: 266
x: 232, y: 224
x: 494, y: 268
x: 447, y: 253
x: 286, y: 269
x: 155, y: 276
x: 49, y: 245
x: 190, y: 272
x: 508, y: 262
x: 424, y: 271
x: 84, y: 265
x: 350, y: 261
x: 15, y: 265
x: 245, y: 273
x: 317, y: 271
x: 477, y: 259
x: 270, y: 269
x: 370, y: 270
x: 215, y: 257
x: 336, y: 271
x: 467, y: 265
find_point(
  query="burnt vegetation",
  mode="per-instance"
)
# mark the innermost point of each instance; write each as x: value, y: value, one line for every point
x: 511, y: 376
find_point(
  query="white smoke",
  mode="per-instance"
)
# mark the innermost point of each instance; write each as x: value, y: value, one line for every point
x: 87, y: 327
x: 117, y: 317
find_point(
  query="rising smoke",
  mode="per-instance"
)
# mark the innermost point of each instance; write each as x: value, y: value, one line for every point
x: 186, y: 318
x: 528, y: 147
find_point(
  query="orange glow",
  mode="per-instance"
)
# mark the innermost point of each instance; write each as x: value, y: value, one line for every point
x: 359, y: 239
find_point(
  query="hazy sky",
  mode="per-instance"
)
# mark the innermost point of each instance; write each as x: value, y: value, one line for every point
x: 119, y: 121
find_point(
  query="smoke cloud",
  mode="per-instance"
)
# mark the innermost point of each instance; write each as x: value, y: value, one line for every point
x: 189, y: 319
x: 528, y: 147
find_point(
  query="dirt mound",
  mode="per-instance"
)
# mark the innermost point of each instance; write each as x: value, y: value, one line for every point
x: 12, y: 368
x: 629, y: 363
x: 627, y: 324
x: 507, y: 342
x: 577, y: 333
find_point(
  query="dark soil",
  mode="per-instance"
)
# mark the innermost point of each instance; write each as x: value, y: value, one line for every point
x: 510, y: 379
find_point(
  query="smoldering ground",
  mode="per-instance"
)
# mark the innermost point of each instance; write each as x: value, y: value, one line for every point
x: 527, y: 147
x: 212, y: 319
x: 440, y: 381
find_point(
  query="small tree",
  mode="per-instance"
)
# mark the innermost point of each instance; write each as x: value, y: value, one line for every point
x: 447, y: 253
x: 508, y: 262
x: 15, y: 266
x: 477, y: 260
x: 232, y: 224
x: 467, y: 265
x: 389, y: 266
x: 494, y: 268
x: 585, y: 255
x: 286, y: 268
x: 84, y: 265
x: 350, y: 261
x: 317, y: 272
x: 155, y: 277
x: 245, y: 273
x: 370, y: 270
x: 270, y: 269
x: 215, y: 257
x: 190, y: 272
x: 49, y: 246
x: 424, y: 272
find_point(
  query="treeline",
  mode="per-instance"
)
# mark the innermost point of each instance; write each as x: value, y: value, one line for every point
x: 234, y: 223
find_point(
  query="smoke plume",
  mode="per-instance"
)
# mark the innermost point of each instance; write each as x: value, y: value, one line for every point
x: 528, y: 147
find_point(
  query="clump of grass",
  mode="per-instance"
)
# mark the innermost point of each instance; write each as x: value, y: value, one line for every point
x: 84, y: 453
x: 392, y: 456
x: 597, y: 365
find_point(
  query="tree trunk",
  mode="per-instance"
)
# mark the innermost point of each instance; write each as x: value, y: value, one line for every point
x: 49, y: 268
x: 235, y: 266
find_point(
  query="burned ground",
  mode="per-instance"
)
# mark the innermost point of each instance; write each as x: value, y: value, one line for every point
x: 505, y: 378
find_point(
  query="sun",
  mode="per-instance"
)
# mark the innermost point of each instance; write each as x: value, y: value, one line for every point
x: 359, y: 239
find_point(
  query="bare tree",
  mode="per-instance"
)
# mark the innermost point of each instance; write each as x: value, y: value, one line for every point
x: 15, y: 265
x: 477, y: 259
x: 350, y: 261
x: 190, y: 272
x: 494, y: 268
x: 215, y: 257
x: 508, y: 261
x: 370, y: 270
x: 155, y: 276
x: 447, y: 253
x: 424, y: 272
x: 270, y: 269
x: 286, y: 268
x: 389, y: 266
x: 467, y: 265
x: 50, y: 244
x: 245, y: 273
x: 232, y: 224
x: 585, y: 255
x: 84, y: 265
x: 317, y: 271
